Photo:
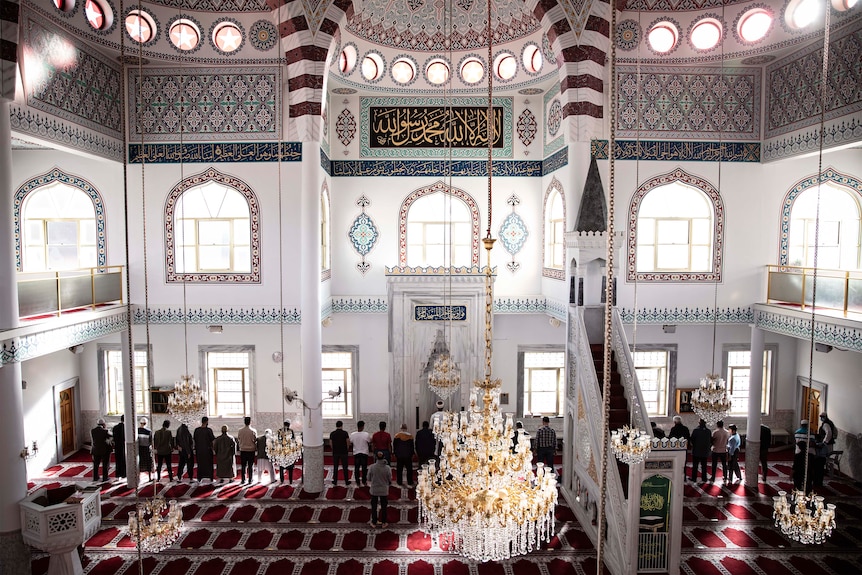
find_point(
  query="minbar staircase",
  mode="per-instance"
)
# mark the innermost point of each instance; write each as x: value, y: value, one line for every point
x: 619, y: 413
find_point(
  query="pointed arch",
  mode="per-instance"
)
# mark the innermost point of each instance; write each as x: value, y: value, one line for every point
x: 553, y: 231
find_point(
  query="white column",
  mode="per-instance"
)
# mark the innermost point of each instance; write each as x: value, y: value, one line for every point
x: 14, y: 556
x: 131, y: 416
x: 310, y: 329
x: 755, y: 398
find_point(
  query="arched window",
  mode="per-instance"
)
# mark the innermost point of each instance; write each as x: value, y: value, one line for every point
x: 60, y: 224
x: 212, y: 229
x: 554, y: 231
x: 325, y: 256
x: 434, y: 218
x: 675, y: 230
x: 839, y: 233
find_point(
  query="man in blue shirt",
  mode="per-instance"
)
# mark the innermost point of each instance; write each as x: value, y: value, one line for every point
x: 733, y: 452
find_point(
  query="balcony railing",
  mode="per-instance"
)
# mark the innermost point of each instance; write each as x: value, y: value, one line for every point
x: 836, y: 289
x: 53, y: 293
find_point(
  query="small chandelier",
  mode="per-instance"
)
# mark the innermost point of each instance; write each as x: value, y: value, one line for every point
x: 284, y: 448
x: 483, y: 500
x: 630, y: 444
x: 187, y: 402
x: 803, y: 518
x: 445, y: 377
x: 151, y: 529
x: 711, y: 401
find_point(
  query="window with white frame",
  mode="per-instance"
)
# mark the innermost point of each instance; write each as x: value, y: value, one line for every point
x: 675, y: 230
x: 439, y: 231
x: 542, y: 381
x: 112, y: 375
x: 228, y: 380
x: 338, y: 373
x: 839, y: 232
x: 738, y: 374
x: 59, y: 229
x: 654, y: 368
x: 212, y: 230
x: 555, y: 229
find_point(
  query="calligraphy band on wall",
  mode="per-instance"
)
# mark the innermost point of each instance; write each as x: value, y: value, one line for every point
x: 440, y: 313
x: 426, y: 127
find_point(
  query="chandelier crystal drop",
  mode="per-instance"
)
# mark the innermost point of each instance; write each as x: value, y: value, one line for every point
x: 284, y: 448
x: 153, y: 530
x: 630, y: 444
x: 711, y: 401
x: 483, y: 500
x: 187, y: 402
x: 803, y: 518
x: 445, y: 377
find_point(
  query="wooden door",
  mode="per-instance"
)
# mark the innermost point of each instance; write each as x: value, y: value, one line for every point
x: 67, y: 421
x: 810, y: 407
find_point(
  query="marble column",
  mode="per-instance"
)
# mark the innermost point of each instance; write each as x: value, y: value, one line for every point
x: 14, y: 555
x: 130, y: 423
x: 755, y: 399
x: 310, y: 328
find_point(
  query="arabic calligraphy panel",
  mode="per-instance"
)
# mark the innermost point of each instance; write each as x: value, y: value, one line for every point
x: 440, y: 313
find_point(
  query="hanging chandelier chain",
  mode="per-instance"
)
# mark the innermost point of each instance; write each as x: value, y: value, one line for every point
x: 279, y: 115
x: 491, y: 130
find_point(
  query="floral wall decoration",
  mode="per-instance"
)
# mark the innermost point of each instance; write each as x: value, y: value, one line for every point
x: 363, y: 234
x: 513, y: 233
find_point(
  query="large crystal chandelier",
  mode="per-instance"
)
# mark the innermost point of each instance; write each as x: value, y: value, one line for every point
x: 445, y: 377
x: 711, y: 401
x: 284, y: 448
x: 151, y: 529
x: 803, y: 518
x: 630, y: 444
x: 187, y: 402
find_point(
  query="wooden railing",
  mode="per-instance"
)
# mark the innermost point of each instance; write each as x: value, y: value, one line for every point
x: 836, y: 289
x: 52, y: 293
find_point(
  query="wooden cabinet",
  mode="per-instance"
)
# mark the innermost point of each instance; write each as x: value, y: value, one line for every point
x: 159, y: 401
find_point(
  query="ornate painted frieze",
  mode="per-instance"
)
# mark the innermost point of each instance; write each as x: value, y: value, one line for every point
x: 435, y: 168
x: 217, y: 5
x: 837, y: 132
x: 555, y: 161
x: 798, y: 325
x: 677, y: 151
x: 687, y: 315
x: 363, y: 234
x: 212, y: 153
x: 231, y: 315
x: 513, y: 233
x: 57, y: 175
x: 51, y: 129
x: 75, y: 83
x: 359, y: 304
x: 553, y: 137
x: 213, y: 104
x: 325, y: 163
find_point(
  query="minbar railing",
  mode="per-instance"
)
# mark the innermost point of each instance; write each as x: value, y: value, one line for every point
x: 836, y: 289
x: 53, y: 293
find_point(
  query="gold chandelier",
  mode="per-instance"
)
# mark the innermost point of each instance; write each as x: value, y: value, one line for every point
x: 187, y: 402
x: 630, y: 444
x: 445, y: 377
x: 803, y: 518
x: 711, y: 401
x: 153, y: 530
x: 284, y: 448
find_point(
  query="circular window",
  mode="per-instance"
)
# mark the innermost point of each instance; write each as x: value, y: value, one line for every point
x: 347, y: 59
x: 97, y: 14
x: 65, y: 6
x: 437, y: 72
x: 403, y: 71
x: 372, y: 67
x: 532, y: 58
x: 185, y: 35
x: 140, y: 26
x: 801, y: 13
x: 755, y: 25
x: 472, y: 70
x: 706, y: 34
x: 227, y: 37
x: 505, y: 66
x: 663, y: 37
x: 843, y: 5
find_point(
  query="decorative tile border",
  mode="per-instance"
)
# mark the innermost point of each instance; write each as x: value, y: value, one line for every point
x: 435, y: 168
x: 261, y: 315
x: 226, y: 152
x: 837, y: 133
x: 798, y: 325
x: 42, y: 343
x: 359, y: 304
x: 678, y: 151
x: 325, y: 162
x: 555, y: 161
x: 43, y: 127
x: 687, y: 315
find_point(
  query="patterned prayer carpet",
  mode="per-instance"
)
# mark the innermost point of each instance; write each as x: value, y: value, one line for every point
x: 269, y: 529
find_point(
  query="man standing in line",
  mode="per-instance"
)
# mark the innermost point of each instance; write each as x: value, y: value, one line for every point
x: 425, y: 444
x: 145, y: 441
x: 679, y: 431
x: 733, y: 452
x: 701, y: 442
x: 225, y: 452
x: 380, y: 476
x: 719, y: 449
x: 546, y: 444
x: 119, y: 432
x: 360, y: 440
x: 163, y: 444
x: 101, y: 449
x: 403, y: 446
x: 186, y: 449
x: 247, y: 441
x: 382, y: 441
x: 204, y: 439
x: 339, y: 441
